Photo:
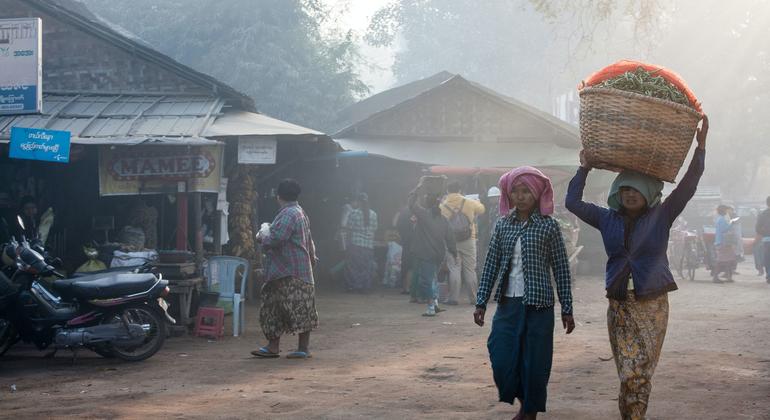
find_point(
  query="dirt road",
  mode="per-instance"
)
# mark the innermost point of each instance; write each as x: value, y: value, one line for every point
x: 376, y: 357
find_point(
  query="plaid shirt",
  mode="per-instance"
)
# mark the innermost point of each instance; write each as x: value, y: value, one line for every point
x: 289, y: 247
x: 543, y: 252
x: 360, y: 234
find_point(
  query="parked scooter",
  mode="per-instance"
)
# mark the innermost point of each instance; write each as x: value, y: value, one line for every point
x: 116, y: 314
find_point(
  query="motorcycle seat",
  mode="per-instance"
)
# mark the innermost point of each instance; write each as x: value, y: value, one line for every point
x: 105, y: 286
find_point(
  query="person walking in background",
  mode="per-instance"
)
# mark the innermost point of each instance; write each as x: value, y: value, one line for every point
x: 404, y: 223
x: 288, y: 296
x: 724, y: 246
x: 361, y: 226
x: 461, y: 213
x: 526, y: 247
x: 737, y: 237
x: 430, y: 244
x: 635, y: 229
x: 763, y: 232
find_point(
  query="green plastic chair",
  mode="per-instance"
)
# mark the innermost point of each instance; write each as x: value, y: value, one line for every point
x: 221, y: 275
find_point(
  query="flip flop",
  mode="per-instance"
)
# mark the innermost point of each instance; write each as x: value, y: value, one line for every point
x: 299, y: 355
x: 264, y: 353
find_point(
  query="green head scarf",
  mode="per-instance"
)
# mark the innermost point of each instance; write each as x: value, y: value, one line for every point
x: 649, y: 187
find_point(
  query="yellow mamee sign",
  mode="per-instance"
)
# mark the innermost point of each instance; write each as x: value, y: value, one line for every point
x: 137, y: 170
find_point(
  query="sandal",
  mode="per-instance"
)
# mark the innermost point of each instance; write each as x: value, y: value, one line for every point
x: 299, y: 355
x: 264, y: 353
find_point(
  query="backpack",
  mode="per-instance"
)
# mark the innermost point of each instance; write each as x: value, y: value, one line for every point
x: 459, y: 224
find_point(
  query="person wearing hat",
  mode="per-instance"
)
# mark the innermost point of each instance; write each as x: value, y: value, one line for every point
x: 635, y: 229
x: 493, y: 197
x: 360, y: 227
x: 525, y: 249
x: 462, y: 212
x: 725, y: 238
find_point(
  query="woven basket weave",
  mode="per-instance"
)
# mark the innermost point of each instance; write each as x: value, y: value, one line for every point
x: 625, y: 130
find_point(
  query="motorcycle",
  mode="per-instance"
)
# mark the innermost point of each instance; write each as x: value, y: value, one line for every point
x: 116, y: 314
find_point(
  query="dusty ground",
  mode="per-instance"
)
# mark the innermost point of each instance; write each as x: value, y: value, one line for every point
x: 376, y: 357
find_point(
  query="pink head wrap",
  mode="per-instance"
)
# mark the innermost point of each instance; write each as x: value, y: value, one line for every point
x: 536, y: 181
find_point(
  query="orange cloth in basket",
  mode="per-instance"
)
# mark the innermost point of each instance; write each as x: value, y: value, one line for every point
x: 622, y: 66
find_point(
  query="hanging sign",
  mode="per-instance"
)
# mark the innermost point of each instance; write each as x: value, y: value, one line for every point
x: 138, y: 170
x: 39, y: 144
x: 257, y: 150
x: 21, y: 66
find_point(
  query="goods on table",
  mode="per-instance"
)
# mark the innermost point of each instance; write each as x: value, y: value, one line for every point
x: 433, y: 185
x: 626, y: 124
x: 132, y: 238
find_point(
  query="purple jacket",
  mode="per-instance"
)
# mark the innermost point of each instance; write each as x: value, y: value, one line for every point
x: 645, y: 259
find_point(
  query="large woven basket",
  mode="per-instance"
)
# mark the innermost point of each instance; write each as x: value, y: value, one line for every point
x: 625, y: 130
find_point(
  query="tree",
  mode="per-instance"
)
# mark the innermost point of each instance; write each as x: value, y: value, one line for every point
x: 505, y: 44
x: 535, y: 50
x: 284, y: 53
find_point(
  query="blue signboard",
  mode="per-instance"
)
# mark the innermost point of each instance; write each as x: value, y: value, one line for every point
x: 21, y: 64
x: 39, y: 144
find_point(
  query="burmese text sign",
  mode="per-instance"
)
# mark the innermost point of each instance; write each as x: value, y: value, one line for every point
x: 21, y: 66
x: 39, y: 144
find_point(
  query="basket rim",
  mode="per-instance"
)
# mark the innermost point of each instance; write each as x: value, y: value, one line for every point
x: 639, y: 96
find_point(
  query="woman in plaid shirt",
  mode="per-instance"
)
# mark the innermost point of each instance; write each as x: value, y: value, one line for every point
x: 526, y: 247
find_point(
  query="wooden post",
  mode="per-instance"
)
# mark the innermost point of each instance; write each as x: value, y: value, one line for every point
x: 181, y: 221
x: 218, y: 232
x: 198, y: 235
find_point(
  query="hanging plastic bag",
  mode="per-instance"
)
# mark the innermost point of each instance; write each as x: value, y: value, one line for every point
x: 93, y: 264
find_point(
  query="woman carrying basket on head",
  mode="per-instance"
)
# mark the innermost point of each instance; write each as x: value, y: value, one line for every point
x: 526, y: 247
x: 635, y: 231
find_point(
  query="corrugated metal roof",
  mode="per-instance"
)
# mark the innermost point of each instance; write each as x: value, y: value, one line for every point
x: 122, y: 119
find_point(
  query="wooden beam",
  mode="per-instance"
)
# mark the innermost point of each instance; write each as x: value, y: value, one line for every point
x: 197, y: 223
x: 181, y: 221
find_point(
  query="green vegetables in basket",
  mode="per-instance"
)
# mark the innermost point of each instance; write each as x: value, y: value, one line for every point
x: 646, y: 83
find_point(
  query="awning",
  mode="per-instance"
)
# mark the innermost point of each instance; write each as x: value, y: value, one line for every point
x: 467, y: 154
x: 251, y: 124
x: 122, y: 119
x: 135, y: 141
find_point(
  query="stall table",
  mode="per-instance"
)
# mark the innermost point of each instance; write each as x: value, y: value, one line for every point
x: 184, y: 289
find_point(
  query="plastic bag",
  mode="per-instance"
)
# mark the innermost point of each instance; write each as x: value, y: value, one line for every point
x: 264, y: 230
x: 93, y: 264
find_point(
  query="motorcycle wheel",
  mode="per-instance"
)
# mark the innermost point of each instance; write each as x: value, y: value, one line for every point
x: 154, y: 325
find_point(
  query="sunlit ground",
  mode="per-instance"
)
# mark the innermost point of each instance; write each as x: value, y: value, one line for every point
x: 376, y: 357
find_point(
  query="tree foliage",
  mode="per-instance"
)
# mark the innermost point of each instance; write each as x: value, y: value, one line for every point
x: 280, y: 52
x: 538, y: 49
x: 504, y: 44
